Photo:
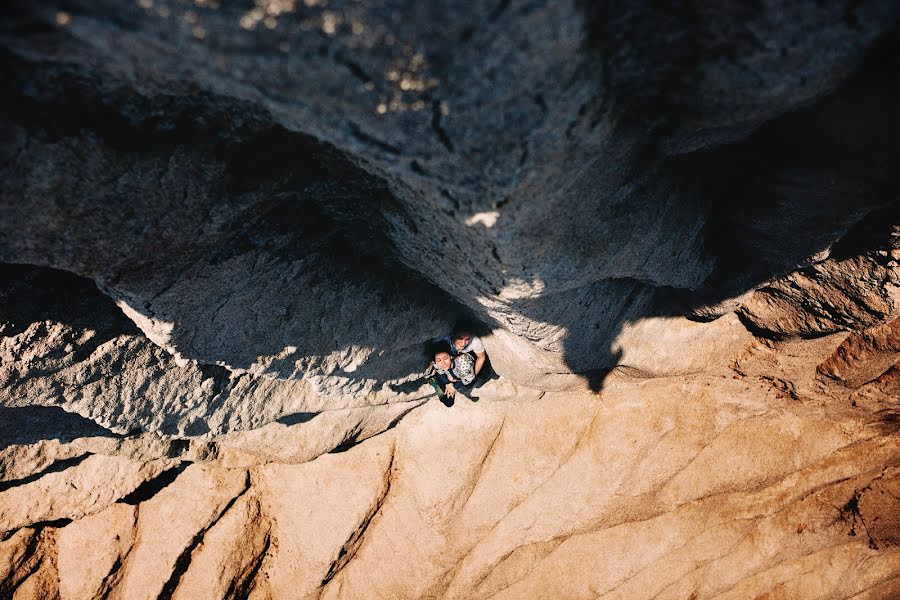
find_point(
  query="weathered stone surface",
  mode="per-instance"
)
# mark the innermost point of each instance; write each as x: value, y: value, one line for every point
x: 709, y: 486
x: 65, y: 345
x: 864, y: 356
x: 88, y: 486
x: 172, y: 523
x: 226, y: 232
x: 92, y: 550
x: 314, y: 541
x: 196, y: 140
x: 29, y: 564
x: 840, y: 293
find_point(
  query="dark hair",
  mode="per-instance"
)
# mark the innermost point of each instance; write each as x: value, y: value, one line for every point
x: 470, y: 326
x: 433, y: 347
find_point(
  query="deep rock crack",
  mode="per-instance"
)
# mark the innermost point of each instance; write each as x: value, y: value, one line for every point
x: 355, y: 541
x: 184, y: 559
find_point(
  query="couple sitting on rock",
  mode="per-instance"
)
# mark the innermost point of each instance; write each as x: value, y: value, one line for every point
x: 458, y: 360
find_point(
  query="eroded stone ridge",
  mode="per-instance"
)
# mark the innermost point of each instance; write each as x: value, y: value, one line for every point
x: 227, y: 230
x: 710, y: 486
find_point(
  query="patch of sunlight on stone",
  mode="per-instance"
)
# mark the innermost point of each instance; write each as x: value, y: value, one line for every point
x: 518, y: 289
x: 486, y: 218
x: 158, y: 332
x: 267, y: 13
x: 330, y: 22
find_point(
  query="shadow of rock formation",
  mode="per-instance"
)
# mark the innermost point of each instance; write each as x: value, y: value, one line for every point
x: 67, y: 346
x: 29, y: 424
x: 314, y: 203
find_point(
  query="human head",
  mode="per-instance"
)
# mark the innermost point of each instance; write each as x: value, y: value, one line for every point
x: 461, y: 338
x: 442, y: 360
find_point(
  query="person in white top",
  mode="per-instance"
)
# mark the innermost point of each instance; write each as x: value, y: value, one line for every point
x: 462, y: 340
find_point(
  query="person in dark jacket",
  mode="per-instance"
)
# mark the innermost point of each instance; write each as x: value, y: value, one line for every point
x: 452, y: 374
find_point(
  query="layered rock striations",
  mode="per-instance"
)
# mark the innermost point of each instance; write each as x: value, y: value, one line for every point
x: 227, y: 230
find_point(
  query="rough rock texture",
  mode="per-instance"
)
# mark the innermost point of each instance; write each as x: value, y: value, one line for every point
x: 226, y: 230
x: 717, y: 486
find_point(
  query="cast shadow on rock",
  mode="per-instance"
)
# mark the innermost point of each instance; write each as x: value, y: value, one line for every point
x: 888, y: 420
x: 55, y: 467
x: 30, y: 424
x: 297, y: 418
x: 306, y: 268
x: 817, y: 179
x: 820, y: 178
x: 31, y: 294
x: 281, y: 245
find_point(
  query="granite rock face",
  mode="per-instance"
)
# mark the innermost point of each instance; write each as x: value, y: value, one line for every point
x: 227, y: 230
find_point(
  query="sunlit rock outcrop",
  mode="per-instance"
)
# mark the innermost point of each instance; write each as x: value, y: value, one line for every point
x: 227, y: 230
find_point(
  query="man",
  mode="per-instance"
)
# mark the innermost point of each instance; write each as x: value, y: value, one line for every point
x: 452, y: 374
x: 462, y: 342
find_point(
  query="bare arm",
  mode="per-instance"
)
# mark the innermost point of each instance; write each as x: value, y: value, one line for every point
x: 479, y: 361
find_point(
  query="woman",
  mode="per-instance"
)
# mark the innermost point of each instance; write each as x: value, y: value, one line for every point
x: 453, y: 374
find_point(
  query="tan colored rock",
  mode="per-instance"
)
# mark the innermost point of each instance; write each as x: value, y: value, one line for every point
x: 516, y: 358
x: 18, y: 461
x: 42, y: 584
x: 93, y: 550
x: 223, y: 244
x: 665, y: 346
x: 882, y: 396
x: 303, y: 437
x: 835, y: 295
x: 314, y: 538
x: 125, y: 383
x: 18, y: 557
x: 84, y: 489
x: 707, y: 486
x: 876, y: 509
x: 28, y: 565
x: 171, y: 524
x: 864, y: 355
x: 231, y: 553
x: 456, y: 525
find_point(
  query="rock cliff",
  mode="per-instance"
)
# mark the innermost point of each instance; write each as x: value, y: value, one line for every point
x: 227, y: 230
